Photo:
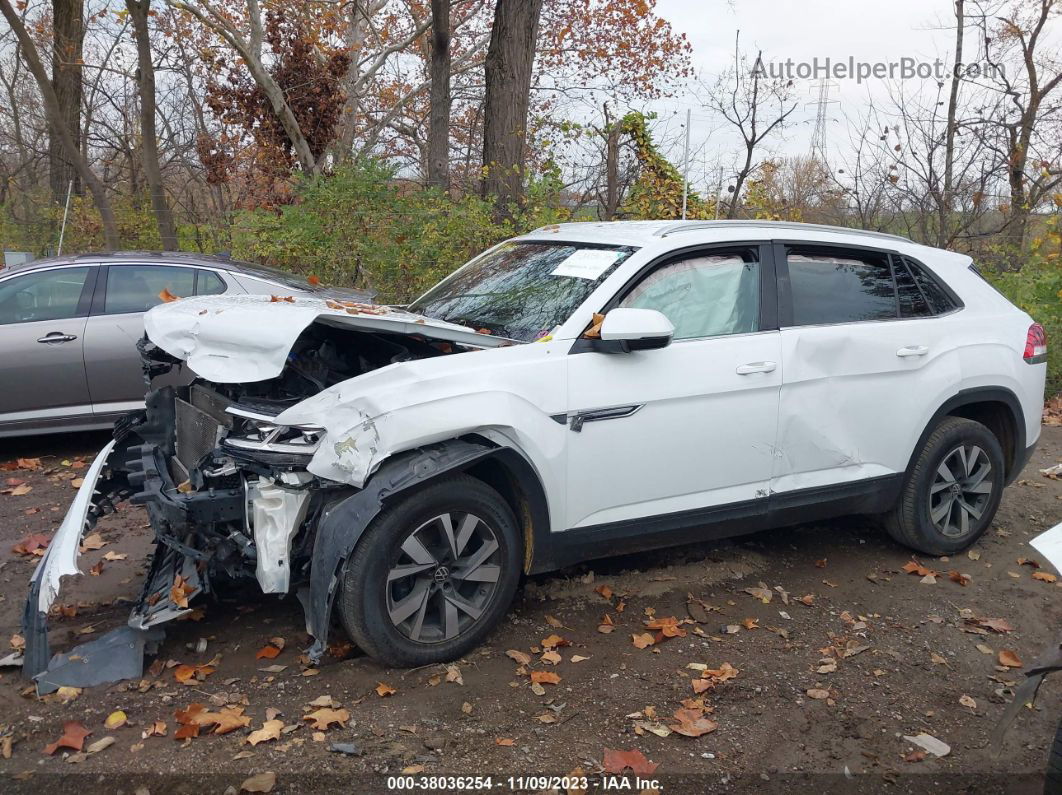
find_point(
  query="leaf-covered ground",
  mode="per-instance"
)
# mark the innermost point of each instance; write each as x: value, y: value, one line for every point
x: 795, y: 659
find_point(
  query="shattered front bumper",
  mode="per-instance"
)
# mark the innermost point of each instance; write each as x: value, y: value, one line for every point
x: 116, y: 655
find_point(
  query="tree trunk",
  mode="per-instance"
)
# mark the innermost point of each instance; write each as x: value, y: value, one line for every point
x: 439, y: 121
x: 57, y: 120
x: 67, y: 46
x: 138, y: 13
x: 944, y: 209
x: 612, y: 149
x: 510, y: 56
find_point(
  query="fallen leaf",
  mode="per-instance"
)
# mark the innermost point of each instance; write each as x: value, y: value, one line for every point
x: 1009, y: 659
x: 155, y: 729
x: 642, y: 640
x: 191, y: 674
x: 967, y: 701
x: 996, y: 624
x: 453, y: 674
x: 28, y: 463
x: 270, y: 731
x: 1043, y: 576
x: 914, y: 567
x: 33, y: 544
x: 166, y: 296
x: 519, y: 656
x: 751, y: 623
x: 112, y: 555
x: 762, y: 592
x: 723, y: 673
x: 605, y: 591
x: 820, y: 564
x: 466, y: 708
x: 577, y: 658
x: 957, y: 577
x: 101, y: 744
x: 692, y: 723
x: 67, y: 694
x: 606, y: 625
x: 551, y: 657
x: 261, y: 782
x: 915, y: 756
x: 313, y: 280
x: 115, y: 720
x: 225, y: 720
x: 936, y: 659
x: 545, y: 677
x: 617, y: 761
x: 180, y: 591
x: 19, y: 490
x: 553, y: 621
x: 92, y: 542
x: 74, y: 735
x: 383, y: 689
x: 818, y: 693
x: 505, y: 741
x: 267, y: 652
x: 554, y: 642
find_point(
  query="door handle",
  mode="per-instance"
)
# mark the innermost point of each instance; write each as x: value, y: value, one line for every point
x: 755, y: 367
x: 912, y: 350
x: 57, y: 336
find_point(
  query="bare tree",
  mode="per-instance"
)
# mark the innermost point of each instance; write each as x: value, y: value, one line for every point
x: 60, y: 126
x: 510, y: 57
x: 138, y: 13
x: 754, y: 104
x: 249, y: 47
x: 1028, y: 139
x: 439, y: 122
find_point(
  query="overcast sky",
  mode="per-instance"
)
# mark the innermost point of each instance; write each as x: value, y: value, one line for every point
x: 866, y: 31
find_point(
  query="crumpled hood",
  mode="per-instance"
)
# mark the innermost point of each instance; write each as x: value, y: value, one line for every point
x: 242, y: 338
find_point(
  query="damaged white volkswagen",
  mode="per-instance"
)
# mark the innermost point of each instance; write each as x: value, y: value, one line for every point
x: 580, y: 391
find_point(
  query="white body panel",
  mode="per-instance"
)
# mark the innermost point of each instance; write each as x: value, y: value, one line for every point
x: 840, y: 404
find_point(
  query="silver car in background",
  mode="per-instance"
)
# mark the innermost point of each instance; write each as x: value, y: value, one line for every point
x: 69, y: 328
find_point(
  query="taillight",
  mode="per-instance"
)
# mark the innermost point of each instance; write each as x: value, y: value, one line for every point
x: 1035, y: 345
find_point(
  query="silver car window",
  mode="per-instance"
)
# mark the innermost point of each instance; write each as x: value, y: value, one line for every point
x: 45, y: 295
x: 137, y: 288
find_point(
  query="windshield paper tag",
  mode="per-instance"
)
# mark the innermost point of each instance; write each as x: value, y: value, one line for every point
x: 587, y: 263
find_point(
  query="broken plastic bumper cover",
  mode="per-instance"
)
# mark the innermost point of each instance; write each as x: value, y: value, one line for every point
x: 118, y: 654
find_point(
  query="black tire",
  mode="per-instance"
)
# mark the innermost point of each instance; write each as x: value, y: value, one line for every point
x: 367, y: 591
x: 1053, y: 779
x: 911, y: 523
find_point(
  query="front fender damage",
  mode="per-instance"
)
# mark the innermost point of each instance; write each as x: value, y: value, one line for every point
x: 175, y: 575
x: 344, y: 523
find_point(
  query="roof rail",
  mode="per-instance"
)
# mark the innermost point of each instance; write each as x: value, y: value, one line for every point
x: 692, y: 226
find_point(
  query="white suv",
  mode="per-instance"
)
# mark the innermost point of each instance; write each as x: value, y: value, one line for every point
x: 577, y: 392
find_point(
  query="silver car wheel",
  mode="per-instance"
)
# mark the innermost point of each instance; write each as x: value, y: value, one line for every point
x: 445, y: 575
x: 961, y: 490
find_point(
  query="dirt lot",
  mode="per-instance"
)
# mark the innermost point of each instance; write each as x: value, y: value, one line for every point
x: 850, y: 654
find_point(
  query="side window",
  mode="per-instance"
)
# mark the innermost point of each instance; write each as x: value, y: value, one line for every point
x: 703, y: 296
x: 831, y: 285
x: 46, y: 295
x: 939, y: 301
x: 208, y: 283
x: 137, y: 288
x: 909, y: 294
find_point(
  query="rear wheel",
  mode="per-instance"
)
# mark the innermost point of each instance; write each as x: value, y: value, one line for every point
x: 952, y: 493
x: 433, y: 574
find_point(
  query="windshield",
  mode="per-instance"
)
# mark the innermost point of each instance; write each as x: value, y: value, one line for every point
x: 521, y: 290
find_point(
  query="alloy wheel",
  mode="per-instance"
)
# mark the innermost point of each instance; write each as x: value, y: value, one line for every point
x: 961, y: 490
x: 444, y: 577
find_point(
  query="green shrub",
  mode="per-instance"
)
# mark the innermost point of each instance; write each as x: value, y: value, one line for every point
x: 1037, y: 288
x: 360, y: 227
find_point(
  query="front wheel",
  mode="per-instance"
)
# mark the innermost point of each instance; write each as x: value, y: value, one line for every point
x: 433, y: 574
x: 952, y: 492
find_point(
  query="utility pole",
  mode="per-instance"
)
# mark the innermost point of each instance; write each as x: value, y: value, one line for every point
x: 686, y: 166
